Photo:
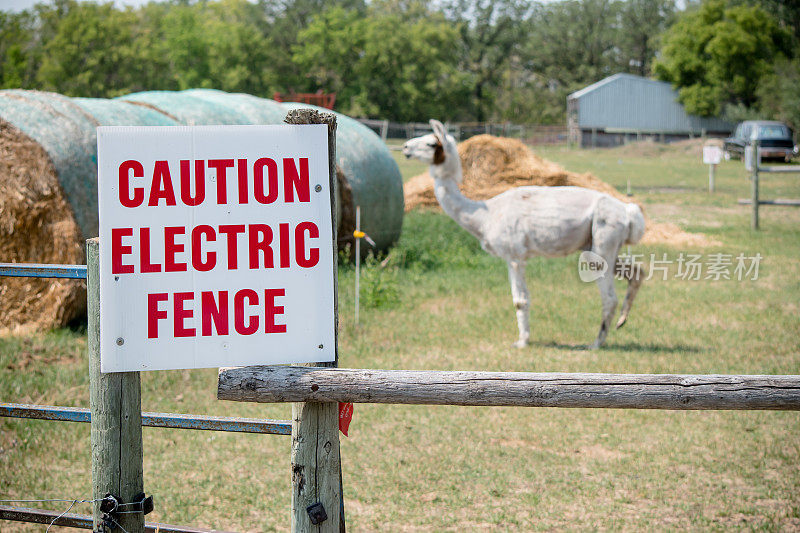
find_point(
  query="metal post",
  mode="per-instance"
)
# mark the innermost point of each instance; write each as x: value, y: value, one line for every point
x: 711, y: 171
x: 358, y: 259
x: 756, y: 163
x: 116, y: 408
x: 316, y: 464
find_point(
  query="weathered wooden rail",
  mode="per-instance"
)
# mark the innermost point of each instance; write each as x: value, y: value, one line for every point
x: 526, y: 389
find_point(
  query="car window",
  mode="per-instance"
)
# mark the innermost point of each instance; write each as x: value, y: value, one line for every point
x: 773, y: 131
x: 746, y: 129
x: 738, y: 132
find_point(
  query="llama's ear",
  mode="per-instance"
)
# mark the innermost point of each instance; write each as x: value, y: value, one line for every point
x: 438, y: 130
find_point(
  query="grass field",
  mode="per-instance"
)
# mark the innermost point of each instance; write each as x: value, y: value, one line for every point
x: 443, y: 304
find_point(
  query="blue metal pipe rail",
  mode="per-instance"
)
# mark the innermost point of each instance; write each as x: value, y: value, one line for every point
x: 38, y: 270
x: 161, y: 420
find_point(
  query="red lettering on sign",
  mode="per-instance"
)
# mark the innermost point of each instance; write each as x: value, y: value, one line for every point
x: 154, y: 314
x: 292, y: 180
x: 241, y: 166
x: 300, y: 245
x: 144, y: 252
x: 260, y: 237
x: 125, y: 197
x: 283, y: 231
x: 161, y: 187
x: 239, y: 312
x: 213, y: 312
x: 171, y: 248
x: 232, y: 232
x: 181, y: 314
x: 211, y: 257
x: 258, y: 179
x: 199, y: 183
x: 222, y: 166
x: 118, y: 250
x: 271, y: 310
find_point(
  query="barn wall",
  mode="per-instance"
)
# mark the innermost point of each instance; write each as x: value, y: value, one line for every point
x: 624, y: 102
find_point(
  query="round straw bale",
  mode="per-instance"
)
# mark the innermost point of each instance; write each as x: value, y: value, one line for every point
x: 36, y: 225
x: 48, y: 194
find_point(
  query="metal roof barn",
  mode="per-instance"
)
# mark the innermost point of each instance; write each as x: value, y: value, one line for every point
x: 624, y: 104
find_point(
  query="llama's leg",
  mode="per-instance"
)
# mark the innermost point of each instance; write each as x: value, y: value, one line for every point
x: 608, y: 297
x: 519, y: 294
x: 608, y: 233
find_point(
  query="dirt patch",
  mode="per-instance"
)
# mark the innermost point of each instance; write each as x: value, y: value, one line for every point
x: 36, y: 226
x: 492, y: 165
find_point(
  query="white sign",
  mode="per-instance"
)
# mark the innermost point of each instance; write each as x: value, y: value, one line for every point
x: 216, y: 246
x: 712, y: 155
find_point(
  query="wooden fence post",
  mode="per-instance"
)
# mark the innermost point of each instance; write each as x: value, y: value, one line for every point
x: 316, y: 463
x: 116, y: 408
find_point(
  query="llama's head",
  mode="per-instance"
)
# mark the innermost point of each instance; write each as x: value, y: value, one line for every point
x: 436, y: 148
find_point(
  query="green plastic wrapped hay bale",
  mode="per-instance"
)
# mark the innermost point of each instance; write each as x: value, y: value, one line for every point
x: 187, y: 109
x: 120, y: 113
x: 257, y: 110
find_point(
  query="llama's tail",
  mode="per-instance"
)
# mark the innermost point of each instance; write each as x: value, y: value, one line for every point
x: 629, y: 269
x: 635, y: 223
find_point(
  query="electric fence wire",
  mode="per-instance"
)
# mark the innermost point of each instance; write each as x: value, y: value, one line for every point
x: 72, y: 504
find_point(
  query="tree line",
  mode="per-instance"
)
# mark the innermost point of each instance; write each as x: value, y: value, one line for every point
x: 408, y: 60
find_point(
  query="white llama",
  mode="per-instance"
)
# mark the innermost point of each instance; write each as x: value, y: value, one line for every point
x: 536, y: 221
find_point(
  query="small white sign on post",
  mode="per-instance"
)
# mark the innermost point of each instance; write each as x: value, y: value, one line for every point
x: 216, y: 246
x: 712, y: 155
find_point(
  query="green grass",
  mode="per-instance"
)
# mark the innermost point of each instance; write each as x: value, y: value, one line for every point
x: 426, y: 468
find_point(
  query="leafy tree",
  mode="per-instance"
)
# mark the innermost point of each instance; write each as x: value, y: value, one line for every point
x: 208, y: 45
x: 282, y: 21
x: 717, y: 53
x: 16, y: 36
x: 571, y: 44
x: 786, y: 12
x: 491, y: 34
x: 395, y: 62
x: 641, y: 22
x: 91, y: 52
x: 329, y: 49
x: 778, y: 93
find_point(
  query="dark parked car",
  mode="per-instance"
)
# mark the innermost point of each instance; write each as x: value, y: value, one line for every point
x: 774, y: 138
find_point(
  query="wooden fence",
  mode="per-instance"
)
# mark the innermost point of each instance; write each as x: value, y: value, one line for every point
x: 629, y: 391
x: 753, y: 164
